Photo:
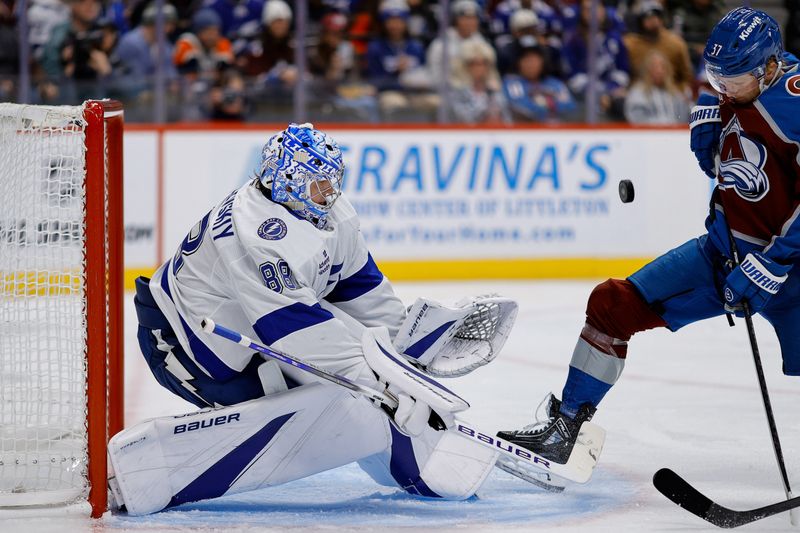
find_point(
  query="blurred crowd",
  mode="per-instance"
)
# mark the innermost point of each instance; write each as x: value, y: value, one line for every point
x: 499, y: 61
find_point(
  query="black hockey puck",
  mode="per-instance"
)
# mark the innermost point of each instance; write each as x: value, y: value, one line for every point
x: 626, y: 191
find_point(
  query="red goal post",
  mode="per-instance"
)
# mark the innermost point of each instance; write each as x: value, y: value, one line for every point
x: 61, y: 301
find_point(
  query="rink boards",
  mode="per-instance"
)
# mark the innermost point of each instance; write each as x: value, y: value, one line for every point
x: 443, y: 203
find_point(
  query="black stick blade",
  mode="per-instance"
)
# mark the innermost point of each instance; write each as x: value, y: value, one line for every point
x: 681, y: 493
x: 684, y: 495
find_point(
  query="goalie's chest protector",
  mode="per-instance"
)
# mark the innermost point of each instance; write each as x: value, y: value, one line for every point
x: 292, y: 249
x: 246, y: 259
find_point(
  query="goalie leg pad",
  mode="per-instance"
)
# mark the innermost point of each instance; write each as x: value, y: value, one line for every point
x: 168, y: 461
x: 436, y: 464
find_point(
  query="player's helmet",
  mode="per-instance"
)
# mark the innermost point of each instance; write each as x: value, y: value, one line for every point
x: 740, y: 44
x: 303, y: 168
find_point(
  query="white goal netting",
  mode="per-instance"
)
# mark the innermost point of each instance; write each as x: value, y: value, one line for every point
x: 43, y: 394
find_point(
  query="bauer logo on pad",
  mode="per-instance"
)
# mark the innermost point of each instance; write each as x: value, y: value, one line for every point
x: 272, y: 229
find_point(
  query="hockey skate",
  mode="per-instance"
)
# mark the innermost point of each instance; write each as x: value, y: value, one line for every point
x: 554, y: 435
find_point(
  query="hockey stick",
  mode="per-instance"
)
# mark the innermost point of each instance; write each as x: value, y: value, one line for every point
x: 689, y: 497
x: 578, y: 467
x: 762, y: 381
x: 684, y: 495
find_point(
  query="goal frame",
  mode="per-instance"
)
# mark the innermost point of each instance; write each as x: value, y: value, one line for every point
x: 99, y: 319
x: 104, y: 275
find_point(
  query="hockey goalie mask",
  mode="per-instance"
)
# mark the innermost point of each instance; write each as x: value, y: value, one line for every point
x: 303, y: 168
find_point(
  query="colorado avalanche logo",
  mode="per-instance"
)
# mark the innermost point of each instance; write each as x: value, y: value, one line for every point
x: 272, y: 229
x: 793, y: 85
x: 742, y: 165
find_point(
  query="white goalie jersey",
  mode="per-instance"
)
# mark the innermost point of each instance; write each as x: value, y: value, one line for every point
x: 252, y: 265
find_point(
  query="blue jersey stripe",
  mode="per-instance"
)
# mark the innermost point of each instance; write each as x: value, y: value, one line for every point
x: 202, y: 353
x: 165, y: 280
x: 206, y: 357
x: 276, y: 325
x: 404, y: 468
x: 358, y: 284
x: 219, y: 477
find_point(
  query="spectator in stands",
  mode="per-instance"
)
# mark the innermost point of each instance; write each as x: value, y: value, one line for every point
x: 613, y: 70
x: 466, y: 25
x: 422, y: 22
x: 792, y: 31
x: 550, y: 17
x: 137, y: 53
x: 333, y: 58
x: 201, y: 57
x: 525, y: 23
x: 651, y: 35
x: 43, y: 17
x: 9, y: 51
x: 270, y: 58
x: 240, y: 18
x: 394, y: 58
x: 203, y: 53
x: 476, y: 95
x: 533, y: 94
x: 228, y: 100
x: 654, y: 99
x: 363, y: 24
x: 336, y: 84
x: 76, y: 59
x: 694, y: 21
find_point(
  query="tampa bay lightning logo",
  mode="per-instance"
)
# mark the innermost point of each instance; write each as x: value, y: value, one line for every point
x: 272, y: 229
x: 742, y: 165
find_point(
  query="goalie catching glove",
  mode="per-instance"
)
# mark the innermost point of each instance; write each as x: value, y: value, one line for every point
x: 453, y: 341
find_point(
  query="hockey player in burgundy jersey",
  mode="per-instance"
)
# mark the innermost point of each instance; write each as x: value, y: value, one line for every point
x: 747, y: 139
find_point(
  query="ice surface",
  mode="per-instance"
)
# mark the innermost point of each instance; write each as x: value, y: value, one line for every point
x: 688, y: 401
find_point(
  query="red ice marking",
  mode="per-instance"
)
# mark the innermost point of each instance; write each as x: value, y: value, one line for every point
x: 793, y: 85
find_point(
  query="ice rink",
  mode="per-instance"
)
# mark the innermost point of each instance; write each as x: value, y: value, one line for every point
x: 688, y: 401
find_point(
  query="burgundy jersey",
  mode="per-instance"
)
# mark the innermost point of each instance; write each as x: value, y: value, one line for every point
x: 759, y: 172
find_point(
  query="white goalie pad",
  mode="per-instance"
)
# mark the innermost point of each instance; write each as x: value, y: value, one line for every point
x: 453, y: 341
x: 392, y: 368
x: 450, y: 466
x: 167, y: 461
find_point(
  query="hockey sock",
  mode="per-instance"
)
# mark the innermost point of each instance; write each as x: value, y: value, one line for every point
x: 579, y: 389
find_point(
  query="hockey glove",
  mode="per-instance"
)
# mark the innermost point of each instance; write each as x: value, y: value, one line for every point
x: 705, y: 126
x: 756, y: 280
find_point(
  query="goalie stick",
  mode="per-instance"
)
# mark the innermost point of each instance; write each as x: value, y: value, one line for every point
x: 578, y: 467
x: 684, y: 495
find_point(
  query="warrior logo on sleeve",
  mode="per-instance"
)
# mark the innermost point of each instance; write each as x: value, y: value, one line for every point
x: 742, y: 164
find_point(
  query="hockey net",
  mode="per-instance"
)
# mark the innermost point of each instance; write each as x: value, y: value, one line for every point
x: 60, y: 301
